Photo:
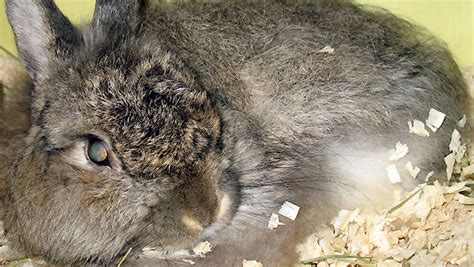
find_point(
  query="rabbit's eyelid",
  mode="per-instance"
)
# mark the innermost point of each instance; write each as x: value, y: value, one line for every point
x: 95, y: 135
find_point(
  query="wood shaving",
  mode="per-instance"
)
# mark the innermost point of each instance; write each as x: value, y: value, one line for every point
x: 450, y: 160
x: 413, y: 171
x: 433, y: 227
x: 393, y: 174
x: 202, y: 249
x: 429, y: 175
x: 455, y: 143
x: 468, y: 172
x: 400, y: 151
x: 462, y: 122
x: 417, y: 127
x: 341, y: 222
x: 274, y: 221
x: 251, y: 263
x: 158, y: 253
x: 435, y: 119
x: 465, y: 200
x: 289, y: 210
x: 327, y: 49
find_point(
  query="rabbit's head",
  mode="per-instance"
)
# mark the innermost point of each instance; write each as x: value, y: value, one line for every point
x: 124, y: 144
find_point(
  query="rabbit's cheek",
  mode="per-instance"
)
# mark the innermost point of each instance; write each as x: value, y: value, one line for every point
x: 96, y: 190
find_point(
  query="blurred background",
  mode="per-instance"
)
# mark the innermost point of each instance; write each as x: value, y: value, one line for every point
x: 450, y: 20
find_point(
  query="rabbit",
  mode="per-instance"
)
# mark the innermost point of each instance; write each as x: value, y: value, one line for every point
x: 163, y: 125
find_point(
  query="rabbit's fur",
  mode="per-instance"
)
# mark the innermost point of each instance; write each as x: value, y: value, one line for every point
x: 215, y: 115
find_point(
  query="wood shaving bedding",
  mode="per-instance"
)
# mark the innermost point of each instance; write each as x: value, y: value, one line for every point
x: 433, y: 225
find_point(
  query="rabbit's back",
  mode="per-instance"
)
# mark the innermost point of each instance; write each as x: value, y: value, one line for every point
x: 314, y: 105
x: 383, y: 70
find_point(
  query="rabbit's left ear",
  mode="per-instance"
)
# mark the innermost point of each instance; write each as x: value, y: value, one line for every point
x: 43, y: 34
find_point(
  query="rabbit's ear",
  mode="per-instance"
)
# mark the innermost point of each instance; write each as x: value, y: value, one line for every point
x: 43, y: 34
x: 118, y: 17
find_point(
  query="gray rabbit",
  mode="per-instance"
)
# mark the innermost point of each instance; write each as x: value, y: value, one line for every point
x: 164, y: 125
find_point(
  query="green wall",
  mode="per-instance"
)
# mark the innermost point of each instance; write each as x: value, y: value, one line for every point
x: 451, y: 20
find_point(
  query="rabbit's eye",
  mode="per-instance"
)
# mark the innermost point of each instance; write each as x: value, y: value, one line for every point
x: 98, y: 152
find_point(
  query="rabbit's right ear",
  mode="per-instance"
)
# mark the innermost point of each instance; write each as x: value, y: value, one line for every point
x: 43, y: 34
x: 118, y: 17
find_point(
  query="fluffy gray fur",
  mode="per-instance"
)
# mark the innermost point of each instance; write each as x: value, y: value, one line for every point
x: 213, y: 115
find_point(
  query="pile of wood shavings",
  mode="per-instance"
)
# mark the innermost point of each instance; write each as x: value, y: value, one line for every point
x: 433, y: 225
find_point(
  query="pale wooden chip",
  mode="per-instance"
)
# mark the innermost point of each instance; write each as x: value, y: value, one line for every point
x: 289, y: 210
x: 422, y: 208
x: 435, y: 119
x: 468, y: 171
x: 310, y: 248
x: 251, y: 263
x: 378, y: 236
x: 455, y: 143
x: 327, y: 49
x: 400, y: 151
x: 413, y: 171
x: 274, y: 221
x: 418, y: 128
x: 202, y: 248
x: 456, y: 188
x: 462, y: 122
x: 429, y: 175
x: 465, y: 200
x: 393, y: 174
x: 450, y: 160
x: 344, y: 217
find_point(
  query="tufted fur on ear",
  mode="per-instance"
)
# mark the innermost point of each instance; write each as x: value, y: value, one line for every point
x: 118, y: 17
x: 43, y: 34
